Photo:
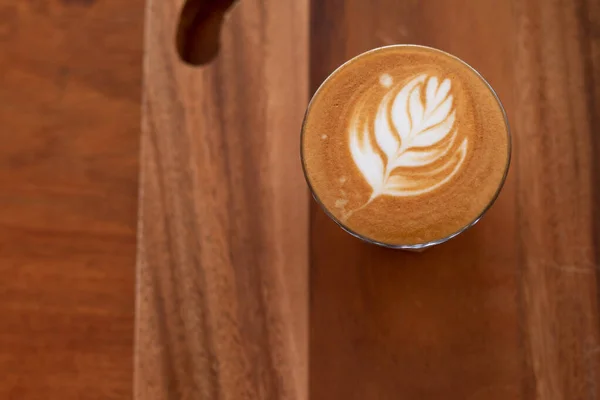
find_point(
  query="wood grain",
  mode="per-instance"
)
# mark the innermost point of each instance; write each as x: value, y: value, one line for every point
x: 555, y: 203
x: 70, y: 83
x: 223, y: 232
x: 509, y: 309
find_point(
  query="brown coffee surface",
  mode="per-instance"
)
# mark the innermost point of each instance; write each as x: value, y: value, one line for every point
x: 405, y: 145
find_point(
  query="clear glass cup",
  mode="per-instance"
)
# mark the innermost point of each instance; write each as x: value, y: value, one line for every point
x: 419, y: 246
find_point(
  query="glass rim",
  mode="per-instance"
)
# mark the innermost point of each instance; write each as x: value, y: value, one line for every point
x: 416, y: 246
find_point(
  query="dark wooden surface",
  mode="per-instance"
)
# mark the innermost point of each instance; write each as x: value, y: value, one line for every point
x: 223, y: 234
x: 509, y: 310
x: 70, y: 79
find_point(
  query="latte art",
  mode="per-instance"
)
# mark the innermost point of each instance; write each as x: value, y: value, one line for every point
x: 405, y: 146
x: 411, y: 146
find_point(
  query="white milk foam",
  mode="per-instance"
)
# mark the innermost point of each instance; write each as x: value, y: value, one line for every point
x: 411, y: 146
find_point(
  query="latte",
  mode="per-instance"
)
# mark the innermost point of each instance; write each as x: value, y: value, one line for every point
x: 405, y: 146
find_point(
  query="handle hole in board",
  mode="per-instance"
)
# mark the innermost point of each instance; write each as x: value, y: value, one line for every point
x: 199, y: 30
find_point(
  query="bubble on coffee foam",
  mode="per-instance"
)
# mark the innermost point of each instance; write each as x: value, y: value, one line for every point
x: 342, y: 179
x: 323, y: 137
x: 414, y: 127
x: 386, y: 80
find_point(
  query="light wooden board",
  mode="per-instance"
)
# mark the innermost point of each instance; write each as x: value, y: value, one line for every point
x: 223, y: 234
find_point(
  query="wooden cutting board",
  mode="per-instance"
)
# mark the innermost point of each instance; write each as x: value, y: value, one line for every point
x: 246, y: 290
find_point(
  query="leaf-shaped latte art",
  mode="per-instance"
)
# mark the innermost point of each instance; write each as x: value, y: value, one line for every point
x: 411, y: 146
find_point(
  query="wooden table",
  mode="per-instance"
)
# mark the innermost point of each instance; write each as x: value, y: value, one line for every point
x: 70, y: 87
x: 236, y: 266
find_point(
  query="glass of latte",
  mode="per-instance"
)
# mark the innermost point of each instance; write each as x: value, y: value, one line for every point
x: 405, y: 146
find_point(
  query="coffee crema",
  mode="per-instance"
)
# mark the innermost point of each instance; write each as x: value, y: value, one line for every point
x: 405, y: 146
